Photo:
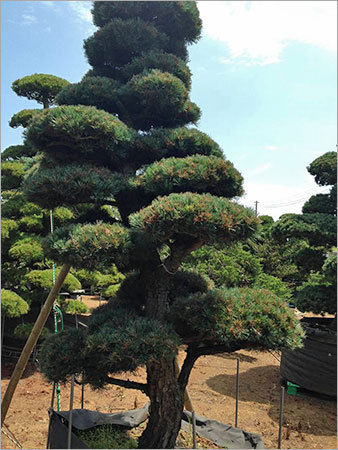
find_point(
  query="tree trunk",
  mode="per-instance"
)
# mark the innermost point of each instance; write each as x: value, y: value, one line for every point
x: 166, y: 406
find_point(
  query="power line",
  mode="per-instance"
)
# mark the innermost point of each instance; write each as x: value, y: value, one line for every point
x: 286, y: 204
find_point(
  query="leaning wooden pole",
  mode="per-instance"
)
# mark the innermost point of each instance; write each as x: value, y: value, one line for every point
x: 31, y: 341
x: 187, y: 400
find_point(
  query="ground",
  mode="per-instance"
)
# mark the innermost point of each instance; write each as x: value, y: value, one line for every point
x: 309, y: 422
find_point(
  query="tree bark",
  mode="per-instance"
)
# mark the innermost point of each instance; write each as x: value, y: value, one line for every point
x: 166, y: 406
x: 165, y: 390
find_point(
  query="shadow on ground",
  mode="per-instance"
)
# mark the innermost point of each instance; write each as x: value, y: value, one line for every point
x: 302, y: 414
x: 8, y: 367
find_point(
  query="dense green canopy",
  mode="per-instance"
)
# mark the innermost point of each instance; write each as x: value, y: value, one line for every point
x: 178, y: 20
x: 40, y: 87
x: 12, y: 305
x: 314, y: 234
x: 122, y: 139
x: 22, y: 118
x: 324, y: 169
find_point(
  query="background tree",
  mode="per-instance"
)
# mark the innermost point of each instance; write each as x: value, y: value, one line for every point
x: 24, y: 224
x: 12, y: 305
x: 315, y: 233
x: 235, y: 266
x: 121, y: 138
x: 25, y: 268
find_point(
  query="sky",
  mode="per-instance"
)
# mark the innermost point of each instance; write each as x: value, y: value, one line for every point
x: 264, y: 76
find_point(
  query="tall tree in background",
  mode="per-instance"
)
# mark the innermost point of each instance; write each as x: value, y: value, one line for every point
x: 316, y: 230
x: 120, y: 137
x: 25, y: 268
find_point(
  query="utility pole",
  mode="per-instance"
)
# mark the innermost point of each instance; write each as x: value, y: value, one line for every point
x: 256, y: 203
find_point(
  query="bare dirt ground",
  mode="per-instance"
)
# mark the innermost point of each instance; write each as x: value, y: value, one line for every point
x: 309, y: 422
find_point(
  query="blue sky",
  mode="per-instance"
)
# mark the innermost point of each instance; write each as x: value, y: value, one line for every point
x: 264, y: 76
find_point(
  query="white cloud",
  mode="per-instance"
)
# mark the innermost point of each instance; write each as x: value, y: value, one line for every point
x: 271, y: 147
x: 260, y: 169
x: 28, y: 19
x: 277, y: 199
x: 256, y: 32
x: 82, y: 11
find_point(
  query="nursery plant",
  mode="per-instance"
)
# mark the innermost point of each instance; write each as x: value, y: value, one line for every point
x: 124, y: 136
x: 316, y: 229
x: 25, y: 268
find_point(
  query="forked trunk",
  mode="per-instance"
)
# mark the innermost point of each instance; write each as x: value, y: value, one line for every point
x: 166, y: 406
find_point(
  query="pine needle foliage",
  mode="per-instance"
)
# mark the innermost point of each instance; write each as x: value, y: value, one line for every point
x: 22, y: 118
x: 40, y: 87
x: 204, y: 216
x: 12, y: 305
x: 122, y: 138
x: 317, y: 228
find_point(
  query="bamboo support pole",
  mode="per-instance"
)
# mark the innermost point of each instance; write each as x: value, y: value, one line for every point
x: 187, y: 400
x: 31, y: 341
x: 281, y: 414
x: 237, y: 393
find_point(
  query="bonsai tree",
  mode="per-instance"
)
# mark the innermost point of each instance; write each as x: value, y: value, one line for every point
x: 122, y: 137
x: 316, y: 230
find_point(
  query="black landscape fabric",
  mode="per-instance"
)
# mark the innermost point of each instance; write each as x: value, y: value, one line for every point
x: 313, y: 367
x: 83, y: 419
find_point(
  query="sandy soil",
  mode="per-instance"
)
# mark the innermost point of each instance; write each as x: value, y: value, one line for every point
x: 309, y: 422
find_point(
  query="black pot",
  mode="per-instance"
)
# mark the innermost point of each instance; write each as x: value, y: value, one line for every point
x: 313, y: 367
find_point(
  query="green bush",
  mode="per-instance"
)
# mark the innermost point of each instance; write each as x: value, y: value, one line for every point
x: 273, y: 284
x: 43, y: 279
x: 106, y: 436
x: 12, y: 305
x: 23, y: 331
x: 7, y: 227
x: 27, y: 250
x: 74, y: 307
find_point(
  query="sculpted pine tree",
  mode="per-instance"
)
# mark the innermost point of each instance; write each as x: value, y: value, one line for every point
x: 120, y: 137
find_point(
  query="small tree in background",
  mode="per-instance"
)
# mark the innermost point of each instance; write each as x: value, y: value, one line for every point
x: 120, y: 137
x: 24, y: 224
x: 12, y: 305
x: 25, y: 268
x: 316, y: 229
x: 42, y: 88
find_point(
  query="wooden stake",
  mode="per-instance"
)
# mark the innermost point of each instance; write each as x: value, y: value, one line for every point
x: 187, y: 400
x: 31, y: 341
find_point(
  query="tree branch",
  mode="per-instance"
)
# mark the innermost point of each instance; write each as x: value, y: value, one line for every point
x: 186, y: 368
x: 128, y: 384
x: 180, y: 249
x: 214, y: 349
